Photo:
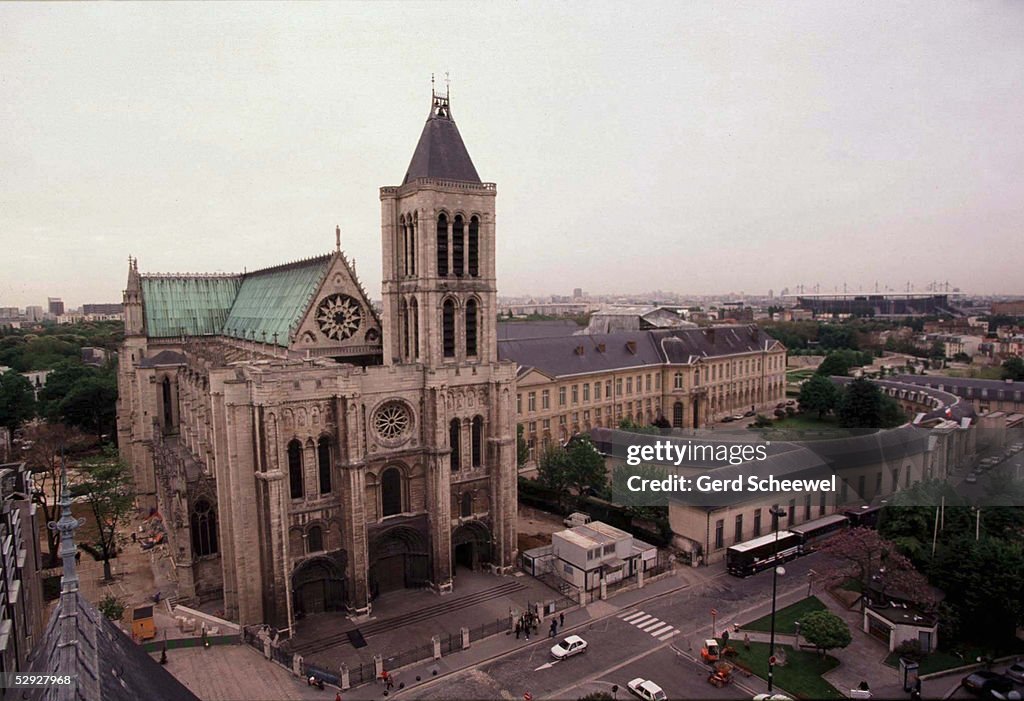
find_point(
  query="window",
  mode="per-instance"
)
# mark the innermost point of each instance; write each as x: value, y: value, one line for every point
x: 677, y: 415
x: 791, y: 512
x: 477, y: 440
x: 561, y: 396
x: 531, y: 401
x: 807, y: 508
x: 609, y: 549
x: 391, y: 492
x: 168, y: 410
x: 757, y: 522
x: 607, y: 389
x: 466, y: 507
x: 739, y: 529
x: 719, y: 533
x: 895, y: 479
x: 519, y: 403
x: 906, y: 478
x: 448, y: 328
x: 567, y: 567
x: 414, y: 319
x: 647, y: 383
x: 597, y: 391
x: 323, y: 458
x: 474, y: 246
x: 314, y: 540
x: 821, y: 504
x: 586, y: 392
x: 442, y: 245
x: 546, y: 424
x: 458, y: 245
x: 295, y: 469
x: 575, y: 394
x: 657, y: 381
x: 618, y: 387
x: 204, y: 529
x: 678, y: 381
x: 454, y: 430
x: 545, y: 399
x: 471, y: 324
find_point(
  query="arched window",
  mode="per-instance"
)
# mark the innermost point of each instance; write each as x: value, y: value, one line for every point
x: 295, y: 469
x: 403, y: 320
x: 454, y: 429
x: 696, y: 377
x: 204, y: 529
x: 474, y: 246
x: 413, y: 225
x: 442, y: 245
x: 677, y: 415
x: 458, y: 245
x: 678, y: 380
x: 391, y: 491
x: 314, y: 540
x: 323, y: 459
x: 471, y: 323
x: 405, y: 245
x: 414, y: 320
x: 466, y: 509
x: 168, y: 406
x: 478, y: 440
x: 448, y: 328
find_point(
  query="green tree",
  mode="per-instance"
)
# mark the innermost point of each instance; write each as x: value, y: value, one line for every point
x: 522, y: 447
x: 818, y: 394
x: 91, y: 404
x: 111, y: 607
x: 585, y: 465
x: 553, y: 472
x: 627, y: 424
x: 17, y: 400
x: 59, y: 383
x: 624, y: 496
x: 834, y: 364
x: 1013, y: 369
x: 107, y: 488
x: 860, y: 405
x: 825, y: 631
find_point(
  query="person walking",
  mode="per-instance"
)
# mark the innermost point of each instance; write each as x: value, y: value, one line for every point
x: 561, y: 619
x: 519, y: 628
x: 554, y: 628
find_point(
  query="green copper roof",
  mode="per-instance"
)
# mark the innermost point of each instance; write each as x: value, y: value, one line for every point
x: 187, y: 305
x: 272, y: 301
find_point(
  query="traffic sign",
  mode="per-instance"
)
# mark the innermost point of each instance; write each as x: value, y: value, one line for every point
x: 714, y: 612
x: 527, y: 696
x: 771, y: 660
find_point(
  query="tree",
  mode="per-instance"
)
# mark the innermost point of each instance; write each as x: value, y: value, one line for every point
x: 553, y: 472
x: 1013, y: 369
x: 17, y: 400
x: 522, y: 447
x: 860, y: 405
x: 58, y: 385
x: 91, y: 404
x: 49, y: 442
x: 627, y: 424
x: 825, y: 631
x: 834, y: 364
x: 111, y: 607
x: 761, y: 421
x: 597, y: 696
x: 107, y: 489
x: 872, y: 560
x: 818, y: 394
x: 585, y: 465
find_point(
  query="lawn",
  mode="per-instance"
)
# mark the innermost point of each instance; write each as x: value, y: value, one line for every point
x: 801, y: 675
x: 804, y: 427
x: 784, y: 618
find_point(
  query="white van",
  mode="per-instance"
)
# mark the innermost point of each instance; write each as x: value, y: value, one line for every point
x: 576, y: 518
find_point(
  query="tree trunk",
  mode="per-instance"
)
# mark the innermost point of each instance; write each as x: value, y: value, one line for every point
x: 107, y: 574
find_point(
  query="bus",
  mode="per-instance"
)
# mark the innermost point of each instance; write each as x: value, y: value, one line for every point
x: 866, y: 516
x: 814, y: 532
x: 748, y: 558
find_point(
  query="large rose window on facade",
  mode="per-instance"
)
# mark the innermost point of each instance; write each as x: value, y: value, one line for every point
x: 339, y: 316
x: 392, y: 421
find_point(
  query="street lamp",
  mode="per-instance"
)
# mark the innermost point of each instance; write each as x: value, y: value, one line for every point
x: 776, y: 513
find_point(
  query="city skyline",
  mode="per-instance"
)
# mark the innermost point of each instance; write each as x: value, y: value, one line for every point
x: 738, y: 145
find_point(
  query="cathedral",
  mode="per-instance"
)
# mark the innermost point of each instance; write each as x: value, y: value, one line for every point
x: 308, y: 454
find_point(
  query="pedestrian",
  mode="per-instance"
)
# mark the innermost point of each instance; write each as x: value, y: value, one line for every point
x: 554, y: 628
x: 561, y: 619
x: 78, y: 556
x: 337, y: 696
x: 519, y: 628
x: 391, y: 682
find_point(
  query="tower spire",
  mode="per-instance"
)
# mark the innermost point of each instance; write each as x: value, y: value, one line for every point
x: 337, y: 239
x: 66, y: 526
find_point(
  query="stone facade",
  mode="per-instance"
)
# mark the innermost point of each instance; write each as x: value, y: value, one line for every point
x: 306, y: 455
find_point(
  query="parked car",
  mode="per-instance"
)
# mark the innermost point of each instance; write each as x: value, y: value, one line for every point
x: 576, y: 518
x: 790, y: 402
x: 984, y: 683
x: 728, y: 419
x: 748, y: 414
x: 646, y: 689
x: 738, y: 417
x: 572, y: 645
x: 772, y: 697
x: 780, y: 405
x: 1016, y: 671
x: 971, y: 478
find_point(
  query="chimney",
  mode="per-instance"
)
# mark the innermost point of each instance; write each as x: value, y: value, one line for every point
x: 600, y: 348
x: 631, y: 347
x: 579, y: 350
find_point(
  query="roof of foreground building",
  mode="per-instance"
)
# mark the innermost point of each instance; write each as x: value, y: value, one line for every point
x: 441, y: 152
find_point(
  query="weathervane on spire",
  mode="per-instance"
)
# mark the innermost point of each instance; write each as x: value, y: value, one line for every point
x: 447, y: 85
x: 337, y: 239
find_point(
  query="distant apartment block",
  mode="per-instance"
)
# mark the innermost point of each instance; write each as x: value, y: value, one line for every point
x: 109, y: 309
x: 1014, y: 308
x: 55, y: 306
x: 34, y: 313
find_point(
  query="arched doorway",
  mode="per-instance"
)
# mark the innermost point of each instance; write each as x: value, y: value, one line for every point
x: 471, y: 546
x: 399, y: 558
x: 318, y: 585
x: 677, y: 415
x: 696, y: 413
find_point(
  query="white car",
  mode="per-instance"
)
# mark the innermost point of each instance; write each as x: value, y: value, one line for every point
x: 971, y: 478
x: 570, y: 646
x: 772, y: 697
x: 646, y: 689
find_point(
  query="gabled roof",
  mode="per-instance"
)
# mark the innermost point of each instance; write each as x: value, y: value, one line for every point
x: 272, y: 300
x: 440, y: 152
x: 187, y: 305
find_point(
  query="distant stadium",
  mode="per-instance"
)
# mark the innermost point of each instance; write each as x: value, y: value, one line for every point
x: 878, y: 304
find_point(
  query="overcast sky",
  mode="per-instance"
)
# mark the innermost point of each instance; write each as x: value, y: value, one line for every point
x: 701, y: 148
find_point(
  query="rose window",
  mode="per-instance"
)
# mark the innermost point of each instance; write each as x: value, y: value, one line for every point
x: 392, y: 421
x: 339, y: 316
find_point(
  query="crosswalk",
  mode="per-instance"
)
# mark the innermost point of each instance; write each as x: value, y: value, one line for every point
x: 654, y: 627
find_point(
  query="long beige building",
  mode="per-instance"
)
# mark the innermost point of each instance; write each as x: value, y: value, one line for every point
x: 306, y: 454
x: 691, y: 377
